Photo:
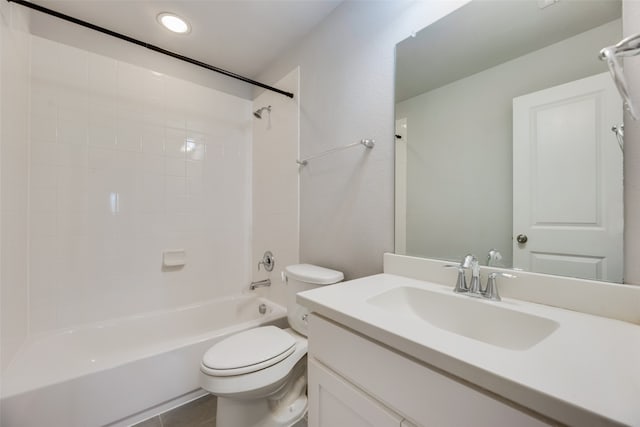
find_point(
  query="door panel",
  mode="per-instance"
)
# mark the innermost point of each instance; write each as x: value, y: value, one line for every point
x: 567, y: 180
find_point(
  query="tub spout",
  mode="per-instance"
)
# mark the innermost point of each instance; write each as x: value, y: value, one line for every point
x: 260, y: 284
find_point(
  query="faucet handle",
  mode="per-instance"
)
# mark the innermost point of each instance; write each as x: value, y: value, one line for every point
x: 461, y: 282
x: 491, y: 291
x: 493, y: 257
x: 268, y: 261
x: 468, y: 261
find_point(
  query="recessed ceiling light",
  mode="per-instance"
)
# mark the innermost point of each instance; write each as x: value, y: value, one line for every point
x: 173, y: 23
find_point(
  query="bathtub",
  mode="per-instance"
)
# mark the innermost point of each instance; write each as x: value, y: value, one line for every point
x: 118, y: 372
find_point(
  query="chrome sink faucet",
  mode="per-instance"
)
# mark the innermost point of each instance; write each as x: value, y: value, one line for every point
x: 461, y: 283
x: 475, y: 289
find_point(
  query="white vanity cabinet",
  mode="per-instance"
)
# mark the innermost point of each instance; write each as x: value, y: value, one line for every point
x: 355, y: 382
x: 336, y: 402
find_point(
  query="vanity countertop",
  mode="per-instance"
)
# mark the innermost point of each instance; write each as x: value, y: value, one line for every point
x: 586, y: 372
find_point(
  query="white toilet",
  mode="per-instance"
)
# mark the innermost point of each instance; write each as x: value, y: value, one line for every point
x: 260, y: 375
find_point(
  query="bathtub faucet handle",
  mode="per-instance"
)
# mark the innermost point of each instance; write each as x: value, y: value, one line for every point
x: 268, y: 261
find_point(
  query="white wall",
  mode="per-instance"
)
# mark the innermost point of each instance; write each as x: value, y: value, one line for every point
x: 455, y: 171
x: 14, y: 105
x: 631, y: 25
x: 124, y: 164
x: 275, y: 184
x: 70, y: 34
x: 346, y: 78
x: 347, y: 75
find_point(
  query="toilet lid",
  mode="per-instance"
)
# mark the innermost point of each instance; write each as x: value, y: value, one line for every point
x: 249, y: 351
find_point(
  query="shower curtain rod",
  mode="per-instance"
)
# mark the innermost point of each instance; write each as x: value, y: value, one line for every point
x: 147, y: 45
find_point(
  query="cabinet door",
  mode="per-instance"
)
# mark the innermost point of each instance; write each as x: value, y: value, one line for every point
x: 335, y: 402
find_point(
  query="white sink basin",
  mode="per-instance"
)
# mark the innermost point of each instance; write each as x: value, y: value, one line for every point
x: 480, y: 320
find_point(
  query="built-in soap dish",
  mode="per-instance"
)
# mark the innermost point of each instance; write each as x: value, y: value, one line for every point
x: 174, y: 258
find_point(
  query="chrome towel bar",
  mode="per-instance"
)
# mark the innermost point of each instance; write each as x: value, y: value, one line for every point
x: 368, y: 143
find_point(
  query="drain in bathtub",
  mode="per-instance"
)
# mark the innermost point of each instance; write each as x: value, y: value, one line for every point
x: 262, y: 308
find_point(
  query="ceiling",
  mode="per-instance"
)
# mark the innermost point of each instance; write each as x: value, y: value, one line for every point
x: 242, y: 36
x: 485, y: 33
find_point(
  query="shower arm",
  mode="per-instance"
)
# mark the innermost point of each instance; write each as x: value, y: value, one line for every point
x: 368, y: 143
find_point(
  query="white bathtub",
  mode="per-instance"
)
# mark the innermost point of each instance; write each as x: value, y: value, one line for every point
x: 117, y: 372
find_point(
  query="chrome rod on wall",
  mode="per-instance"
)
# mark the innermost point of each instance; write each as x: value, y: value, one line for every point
x: 619, y: 132
x: 368, y: 143
x: 148, y: 46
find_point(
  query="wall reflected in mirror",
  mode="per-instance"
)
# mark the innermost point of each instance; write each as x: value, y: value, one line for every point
x: 503, y: 138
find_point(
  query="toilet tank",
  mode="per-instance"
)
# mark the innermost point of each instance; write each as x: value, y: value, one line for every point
x: 303, y: 277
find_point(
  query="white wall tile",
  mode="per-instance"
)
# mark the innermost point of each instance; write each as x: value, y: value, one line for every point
x: 175, y: 143
x: 102, y: 77
x: 175, y: 166
x: 102, y: 158
x: 124, y: 164
x: 175, y: 185
x: 13, y: 228
x: 43, y: 225
x: 126, y: 160
x: 44, y: 103
x: 72, y: 130
x: 72, y: 155
x: 67, y: 66
x: 44, y: 175
x: 194, y: 169
x: 44, y: 199
x: 129, y: 135
x: 101, y: 135
x: 153, y: 138
x: 150, y: 193
x: 45, y: 129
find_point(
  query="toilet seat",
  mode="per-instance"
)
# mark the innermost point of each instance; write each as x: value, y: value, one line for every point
x: 258, y: 383
x: 248, y: 351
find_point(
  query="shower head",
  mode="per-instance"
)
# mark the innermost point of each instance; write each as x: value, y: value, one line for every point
x: 258, y: 112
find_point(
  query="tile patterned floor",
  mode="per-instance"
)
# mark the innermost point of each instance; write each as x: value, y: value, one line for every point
x: 198, y: 413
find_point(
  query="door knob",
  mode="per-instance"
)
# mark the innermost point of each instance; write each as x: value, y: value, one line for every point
x: 522, y: 238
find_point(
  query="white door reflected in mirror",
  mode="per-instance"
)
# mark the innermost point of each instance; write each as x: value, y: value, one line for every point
x: 567, y: 181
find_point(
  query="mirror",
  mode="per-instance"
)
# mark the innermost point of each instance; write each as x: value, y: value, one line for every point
x: 504, y: 142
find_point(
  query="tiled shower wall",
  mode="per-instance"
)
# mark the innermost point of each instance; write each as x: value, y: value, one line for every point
x: 14, y: 157
x: 126, y: 163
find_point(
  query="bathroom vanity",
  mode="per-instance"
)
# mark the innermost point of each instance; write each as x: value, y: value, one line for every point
x: 391, y: 350
x: 369, y: 384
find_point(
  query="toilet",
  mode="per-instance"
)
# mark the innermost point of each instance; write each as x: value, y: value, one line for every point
x: 260, y: 375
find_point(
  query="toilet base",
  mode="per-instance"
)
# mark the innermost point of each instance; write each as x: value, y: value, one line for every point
x: 282, y: 409
x: 259, y: 413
